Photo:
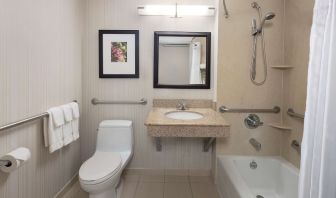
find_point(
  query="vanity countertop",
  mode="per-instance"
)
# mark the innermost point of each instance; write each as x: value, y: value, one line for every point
x: 211, y: 125
x: 211, y: 118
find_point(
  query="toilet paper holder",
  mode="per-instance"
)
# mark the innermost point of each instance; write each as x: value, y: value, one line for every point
x: 5, y: 163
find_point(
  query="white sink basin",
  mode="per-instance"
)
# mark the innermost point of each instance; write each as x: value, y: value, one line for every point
x: 184, y: 115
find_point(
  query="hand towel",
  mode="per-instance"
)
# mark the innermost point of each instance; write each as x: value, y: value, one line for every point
x: 67, y: 126
x: 75, y: 109
x: 67, y: 111
x: 57, y: 116
x: 55, y: 134
x: 75, y: 120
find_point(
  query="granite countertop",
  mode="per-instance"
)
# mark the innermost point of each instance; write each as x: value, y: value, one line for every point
x: 211, y: 118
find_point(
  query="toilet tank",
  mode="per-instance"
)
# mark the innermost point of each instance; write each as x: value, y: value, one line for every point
x: 115, y: 135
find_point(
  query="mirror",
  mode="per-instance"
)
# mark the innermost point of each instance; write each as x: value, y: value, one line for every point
x: 182, y: 60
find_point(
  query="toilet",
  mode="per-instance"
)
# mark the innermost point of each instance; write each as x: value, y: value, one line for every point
x: 100, y: 174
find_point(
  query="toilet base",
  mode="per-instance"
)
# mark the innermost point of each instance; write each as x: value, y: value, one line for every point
x: 108, y: 193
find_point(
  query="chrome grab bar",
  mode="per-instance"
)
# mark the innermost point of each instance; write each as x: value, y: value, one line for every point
x: 292, y: 113
x: 14, y: 124
x: 32, y: 118
x: 224, y: 109
x: 96, y: 101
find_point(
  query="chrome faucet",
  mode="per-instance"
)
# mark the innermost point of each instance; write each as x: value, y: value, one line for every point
x: 182, y: 105
x: 255, y: 144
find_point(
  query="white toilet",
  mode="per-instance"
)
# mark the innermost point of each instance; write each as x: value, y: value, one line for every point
x: 100, y: 174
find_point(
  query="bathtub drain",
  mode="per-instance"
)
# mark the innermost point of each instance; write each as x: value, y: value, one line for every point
x: 259, y: 196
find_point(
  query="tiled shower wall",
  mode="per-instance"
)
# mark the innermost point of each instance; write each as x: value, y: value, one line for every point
x: 287, y: 42
x: 40, y: 66
x: 235, y: 90
x: 298, y: 20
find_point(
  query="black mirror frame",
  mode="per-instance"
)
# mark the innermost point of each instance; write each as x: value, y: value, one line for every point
x: 157, y: 35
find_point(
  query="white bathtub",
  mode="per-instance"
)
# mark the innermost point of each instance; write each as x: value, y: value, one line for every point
x: 273, y: 178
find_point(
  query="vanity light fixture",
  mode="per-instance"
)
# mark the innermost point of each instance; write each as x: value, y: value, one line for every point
x: 176, y: 10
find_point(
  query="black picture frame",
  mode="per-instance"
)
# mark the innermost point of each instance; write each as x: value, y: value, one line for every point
x: 157, y: 35
x: 101, y: 56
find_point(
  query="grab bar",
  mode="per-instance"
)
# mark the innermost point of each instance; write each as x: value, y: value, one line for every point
x: 32, y: 118
x: 14, y: 124
x: 292, y: 113
x: 224, y: 109
x: 96, y: 101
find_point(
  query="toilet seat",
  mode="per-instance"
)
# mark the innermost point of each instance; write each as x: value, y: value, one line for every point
x: 100, y: 167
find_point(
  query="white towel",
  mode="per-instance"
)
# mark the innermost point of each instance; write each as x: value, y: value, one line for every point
x: 75, y: 109
x: 67, y: 127
x: 54, y: 132
x: 57, y: 116
x: 67, y: 111
x: 75, y: 120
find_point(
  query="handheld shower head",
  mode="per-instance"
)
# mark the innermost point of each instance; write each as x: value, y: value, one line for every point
x: 268, y: 16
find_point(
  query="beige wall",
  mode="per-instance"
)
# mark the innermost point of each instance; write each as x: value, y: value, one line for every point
x: 235, y: 89
x: 298, y: 20
x: 113, y: 14
x: 40, y: 66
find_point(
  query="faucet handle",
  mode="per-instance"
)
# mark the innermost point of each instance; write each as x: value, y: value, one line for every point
x: 182, y: 105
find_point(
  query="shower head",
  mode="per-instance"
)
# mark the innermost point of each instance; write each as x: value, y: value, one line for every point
x: 268, y: 16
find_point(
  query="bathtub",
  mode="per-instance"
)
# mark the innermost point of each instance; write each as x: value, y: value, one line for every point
x: 256, y: 177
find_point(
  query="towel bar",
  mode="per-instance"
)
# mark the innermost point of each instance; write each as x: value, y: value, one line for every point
x: 32, y: 118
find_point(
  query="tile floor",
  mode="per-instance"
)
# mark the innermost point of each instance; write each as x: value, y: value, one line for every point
x: 159, y: 186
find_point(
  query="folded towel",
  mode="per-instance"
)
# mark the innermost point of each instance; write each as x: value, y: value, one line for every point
x: 55, y: 133
x: 75, y: 109
x: 57, y: 116
x: 67, y: 127
x: 67, y: 111
x: 67, y: 133
x: 75, y: 129
x: 75, y: 120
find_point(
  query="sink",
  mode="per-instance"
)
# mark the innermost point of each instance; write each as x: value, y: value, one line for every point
x: 184, y: 115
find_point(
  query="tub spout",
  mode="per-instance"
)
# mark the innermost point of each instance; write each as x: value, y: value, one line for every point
x: 255, y: 144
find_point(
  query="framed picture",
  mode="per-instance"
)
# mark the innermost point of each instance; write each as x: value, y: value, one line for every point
x: 118, y: 53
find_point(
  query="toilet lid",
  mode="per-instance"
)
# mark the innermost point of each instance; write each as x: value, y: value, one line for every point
x: 101, y: 166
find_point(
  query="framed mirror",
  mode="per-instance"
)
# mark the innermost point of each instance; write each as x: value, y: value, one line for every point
x: 182, y: 60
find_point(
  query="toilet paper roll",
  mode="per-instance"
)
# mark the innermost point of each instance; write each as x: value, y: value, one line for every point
x: 17, y: 158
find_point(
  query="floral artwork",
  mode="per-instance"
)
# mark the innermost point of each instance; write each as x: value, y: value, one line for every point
x: 119, y: 52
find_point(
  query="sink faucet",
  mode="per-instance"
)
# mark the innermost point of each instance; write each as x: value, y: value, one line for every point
x: 182, y: 105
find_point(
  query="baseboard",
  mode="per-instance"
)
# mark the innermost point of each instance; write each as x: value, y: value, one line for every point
x: 179, y: 172
x: 67, y: 186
